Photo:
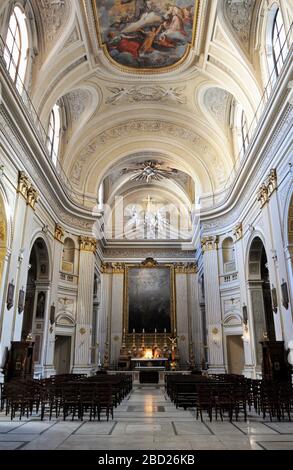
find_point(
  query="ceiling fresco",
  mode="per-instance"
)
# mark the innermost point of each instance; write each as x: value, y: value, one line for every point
x: 146, y: 35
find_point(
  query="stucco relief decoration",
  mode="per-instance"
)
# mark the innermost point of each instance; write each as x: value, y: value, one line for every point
x: 145, y: 34
x: 134, y: 127
x: 238, y: 231
x: 216, y: 101
x: 78, y: 101
x: 239, y: 14
x: 146, y: 94
x: 54, y: 14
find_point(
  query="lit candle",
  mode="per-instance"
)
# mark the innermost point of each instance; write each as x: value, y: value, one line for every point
x: 164, y: 330
x: 155, y: 330
x: 143, y: 330
x: 133, y: 330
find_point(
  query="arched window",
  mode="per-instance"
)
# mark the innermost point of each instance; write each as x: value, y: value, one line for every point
x: 54, y: 133
x: 228, y: 255
x: 68, y: 256
x: 241, y: 130
x: 16, y: 47
x: 278, y: 41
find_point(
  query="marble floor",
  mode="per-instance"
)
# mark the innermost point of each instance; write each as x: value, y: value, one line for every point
x: 146, y: 420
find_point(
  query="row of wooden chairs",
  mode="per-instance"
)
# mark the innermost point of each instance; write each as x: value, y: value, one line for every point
x: 72, y: 395
x: 231, y: 394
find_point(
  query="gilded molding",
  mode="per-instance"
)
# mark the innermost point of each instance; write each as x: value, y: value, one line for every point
x: 59, y: 233
x: 267, y: 187
x: 209, y: 243
x: 186, y: 268
x: 238, y: 231
x: 87, y: 244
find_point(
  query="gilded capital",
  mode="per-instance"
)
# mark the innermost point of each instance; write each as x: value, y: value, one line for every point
x: 186, y: 268
x: 23, y: 184
x: 87, y: 244
x: 263, y: 194
x: 113, y: 268
x: 272, y: 181
x: 238, y: 231
x: 32, y: 197
x: 209, y: 243
x: 118, y: 268
x: 268, y: 187
x: 59, y: 233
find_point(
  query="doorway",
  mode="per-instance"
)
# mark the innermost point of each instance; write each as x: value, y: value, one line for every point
x: 235, y: 354
x: 62, y: 354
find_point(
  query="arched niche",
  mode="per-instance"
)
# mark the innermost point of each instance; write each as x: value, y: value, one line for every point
x: 261, y: 296
x: 68, y: 256
x: 36, y: 298
x: 228, y: 252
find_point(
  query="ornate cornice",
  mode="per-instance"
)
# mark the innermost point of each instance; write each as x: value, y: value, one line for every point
x: 186, y: 268
x: 87, y: 244
x: 27, y: 190
x: 59, y: 233
x: 267, y: 187
x: 238, y: 231
x: 209, y: 243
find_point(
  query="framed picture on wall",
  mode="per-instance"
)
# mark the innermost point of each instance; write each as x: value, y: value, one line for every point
x: 21, y: 300
x: 10, y: 295
x: 149, y: 299
x: 285, y: 295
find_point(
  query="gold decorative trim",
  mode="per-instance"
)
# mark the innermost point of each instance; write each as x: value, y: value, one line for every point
x: 59, y: 233
x: 209, y: 243
x: 186, y: 268
x: 87, y: 244
x: 147, y: 71
x: 149, y: 263
x: 238, y: 231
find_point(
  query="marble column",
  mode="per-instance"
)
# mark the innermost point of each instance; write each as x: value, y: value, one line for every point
x: 116, y: 315
x: 213, y: 304
x: 248, y: 337
x: 281, y: 269
x: 84, y: 318
x: 49, y: 346
x: 182, y: 317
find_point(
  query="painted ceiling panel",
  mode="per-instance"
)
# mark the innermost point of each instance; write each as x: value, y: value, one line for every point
x: 146, y: 35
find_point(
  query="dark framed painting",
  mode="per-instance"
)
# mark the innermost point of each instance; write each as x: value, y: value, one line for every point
x: 10, y: 295
x: 149, y: 299
x: 146, y: 35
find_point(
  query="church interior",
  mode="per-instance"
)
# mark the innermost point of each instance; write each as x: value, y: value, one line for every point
x: 146, y: 224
